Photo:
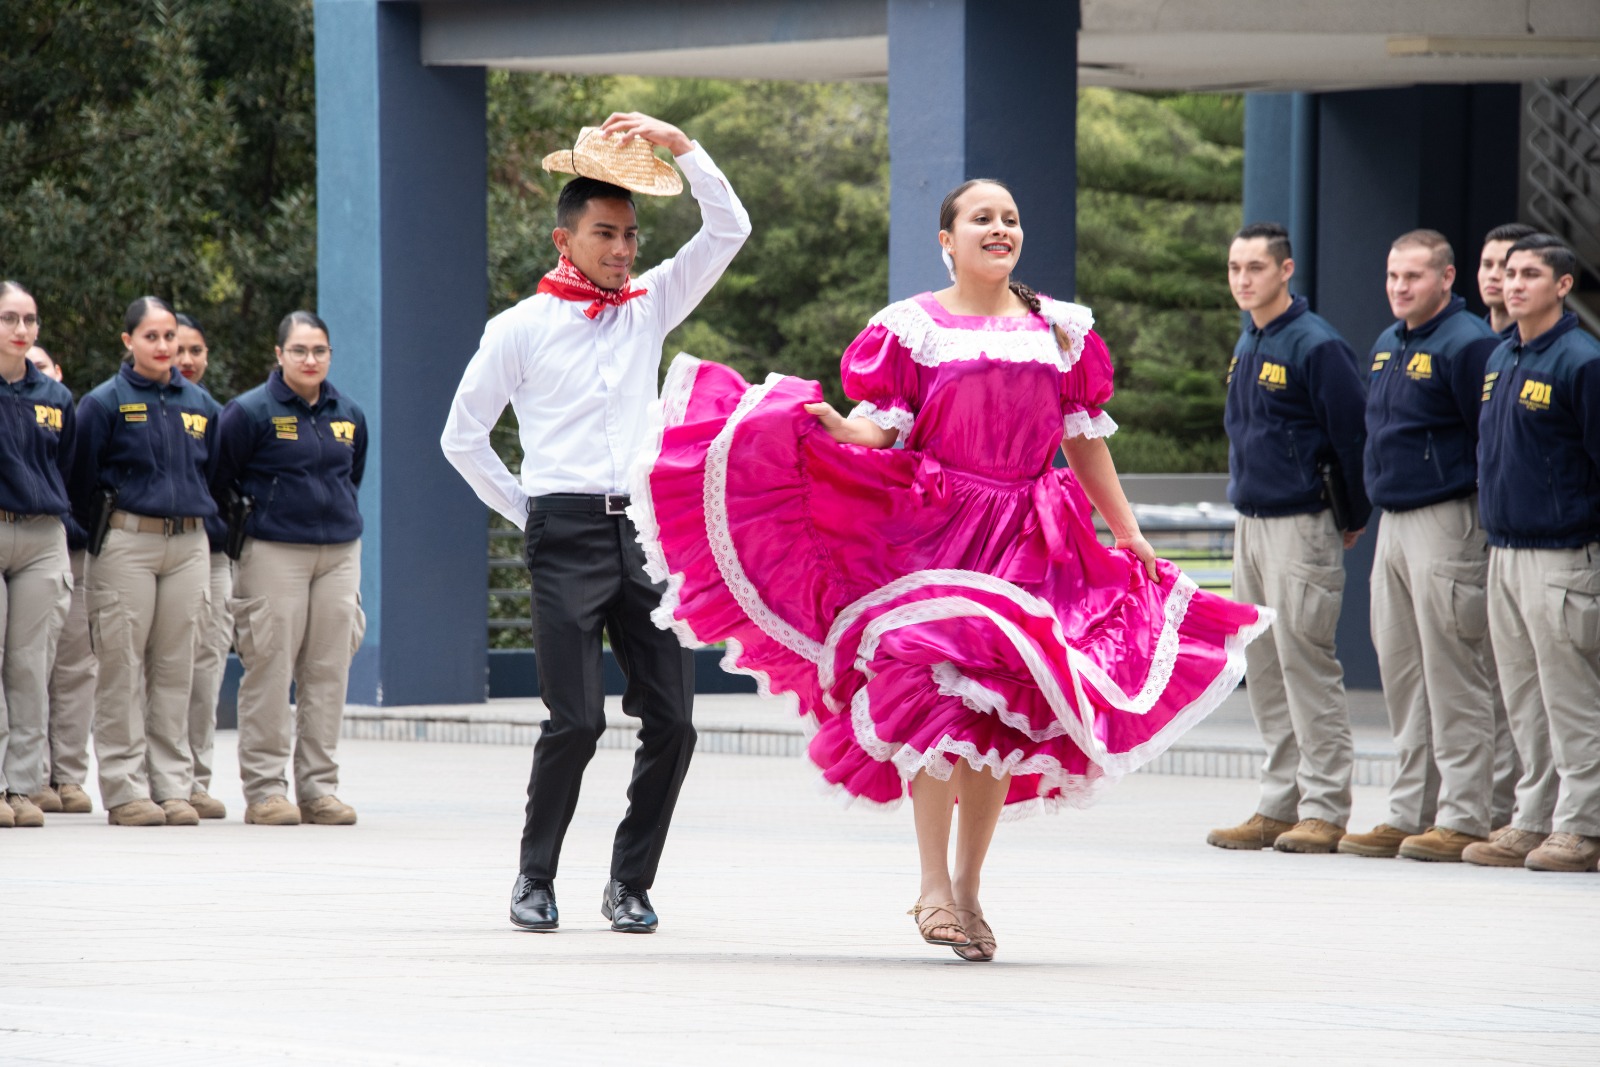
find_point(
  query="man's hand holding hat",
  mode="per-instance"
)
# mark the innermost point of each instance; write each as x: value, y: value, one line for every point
x: 619, y: 151
x: 631, y: 124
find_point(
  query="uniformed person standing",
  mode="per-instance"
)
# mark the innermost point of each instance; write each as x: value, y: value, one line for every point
x: 147, y: 436
x: 1491, y: 277
x: 297, y: 448
x: 1430, y: 623
x: 1539, y: 468
x: 1295, y: 437
x: 36, y: 428
x: 214, y: 634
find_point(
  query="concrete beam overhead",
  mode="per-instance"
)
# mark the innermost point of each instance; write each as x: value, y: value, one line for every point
x: 1222, y: 45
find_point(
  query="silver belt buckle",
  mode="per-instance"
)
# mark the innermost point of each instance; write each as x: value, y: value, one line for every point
x: 616, y: 503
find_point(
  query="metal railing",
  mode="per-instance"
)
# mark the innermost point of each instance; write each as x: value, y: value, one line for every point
x: 1562, y: 144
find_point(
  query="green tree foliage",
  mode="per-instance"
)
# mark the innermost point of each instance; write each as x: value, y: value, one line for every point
x: 1159, y: 186
x: 165, y: 148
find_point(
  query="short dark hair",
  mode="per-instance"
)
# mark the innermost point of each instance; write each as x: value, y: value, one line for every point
x: 1552, y: 250
x: 301, y: 318
x: 140, y: 309
x: 1277, y: 238
x: 185, y: 320
x: 575, y: 197
x: 1509, y: 231
x: 1440, y: 254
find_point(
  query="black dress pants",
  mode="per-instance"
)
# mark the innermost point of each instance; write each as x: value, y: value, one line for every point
x: 588, y: 576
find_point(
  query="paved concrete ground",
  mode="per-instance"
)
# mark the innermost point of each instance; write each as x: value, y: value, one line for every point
x: 1123, y: 938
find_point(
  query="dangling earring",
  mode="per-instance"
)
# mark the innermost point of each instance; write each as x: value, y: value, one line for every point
x: 949, y: 264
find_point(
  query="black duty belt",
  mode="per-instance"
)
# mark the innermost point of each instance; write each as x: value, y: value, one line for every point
x: 592, y: 503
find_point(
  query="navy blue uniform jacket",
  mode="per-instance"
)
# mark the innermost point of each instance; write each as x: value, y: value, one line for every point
x: 1295, y: 401
x: 37, y: 426
x: 1539, y: 440
x: 302, y: 463
x: 1423, y: 396
x: 155, y: 444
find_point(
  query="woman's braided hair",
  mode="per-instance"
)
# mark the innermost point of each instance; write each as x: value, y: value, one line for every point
x: 947, y: 219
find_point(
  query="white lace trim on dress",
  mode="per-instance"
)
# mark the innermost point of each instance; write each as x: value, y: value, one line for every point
x: 931, y: 344
x: 1075, y: 790
x: 885, y: 418
x: 668, y: 411
x: 720, y: 537
x: 1079, y: 424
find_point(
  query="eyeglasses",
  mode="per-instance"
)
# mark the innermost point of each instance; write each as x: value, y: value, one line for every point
x: 10, y: 319
x: 299, y: 353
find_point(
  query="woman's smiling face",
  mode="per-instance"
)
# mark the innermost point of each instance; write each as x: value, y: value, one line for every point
x: 985, y: 240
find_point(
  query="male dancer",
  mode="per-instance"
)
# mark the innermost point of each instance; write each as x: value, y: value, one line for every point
x: 578, y: 362
x: 1295, y: 436
x: 1429, y: 621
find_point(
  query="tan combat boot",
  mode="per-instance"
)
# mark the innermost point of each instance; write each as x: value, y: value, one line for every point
x: 1382, y: 843
x: 1257, y: 832
x: 1561, y: 851
x: 74, y: 801
x: 1438, y: 845
x: 24, y: 811
x: 180, y: 813
x: 206, y: 805
x: 1510, y: 849
x: 273, y: 811
x: 8, y: 818
x: 328, y: 811
x: 136, y: 813
x: 47, y: 799
x: 1310, y: 835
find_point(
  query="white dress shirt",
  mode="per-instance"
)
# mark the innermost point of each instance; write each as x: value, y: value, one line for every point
x: 581, y: 388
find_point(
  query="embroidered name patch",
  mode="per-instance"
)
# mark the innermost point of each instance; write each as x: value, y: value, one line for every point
x: 1535, y: 395
x: 1273, y: 376
x: 1488, y: 384
x: 131, y: 407
x: 1379, y: 360
x: 47, y: 416
x: 287, y: 427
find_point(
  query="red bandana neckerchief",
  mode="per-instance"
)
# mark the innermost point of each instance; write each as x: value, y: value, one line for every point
x: 567, y: 282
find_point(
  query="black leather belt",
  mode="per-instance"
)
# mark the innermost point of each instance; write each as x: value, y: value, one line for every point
x: 593, y: 503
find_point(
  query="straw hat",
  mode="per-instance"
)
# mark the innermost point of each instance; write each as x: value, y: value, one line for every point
x: 633, y: 165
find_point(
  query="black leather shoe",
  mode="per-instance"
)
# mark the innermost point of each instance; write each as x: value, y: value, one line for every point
x: 533, y: 905
x: 628, y: 909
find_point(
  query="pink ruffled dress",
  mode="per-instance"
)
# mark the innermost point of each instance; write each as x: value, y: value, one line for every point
x: 945, y: 600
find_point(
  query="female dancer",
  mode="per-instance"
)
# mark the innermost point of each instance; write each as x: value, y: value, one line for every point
x: 943, y: 611
x: 144, y: 446
x: 297, y: 447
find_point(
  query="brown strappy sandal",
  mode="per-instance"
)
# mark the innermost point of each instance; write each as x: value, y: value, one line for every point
x: 980, y: 945
x: 926, y: 923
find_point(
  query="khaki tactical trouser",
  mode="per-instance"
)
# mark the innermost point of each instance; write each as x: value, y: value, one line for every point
x: 212, y: 639
x: 147, y: 593
x: 1544, y: 614
x: 1430, y: 625
x: 1294, y: 564
x: 297, y: 618
x: 34, y: 594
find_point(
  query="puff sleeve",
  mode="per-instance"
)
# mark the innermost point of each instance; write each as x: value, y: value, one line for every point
x: 1086, y: 386
x: 878, y: 371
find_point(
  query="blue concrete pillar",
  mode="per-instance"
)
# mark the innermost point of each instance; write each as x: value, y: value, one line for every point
x: 403, y: 284
x: 983, y: 90
x: 1280, y: 173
